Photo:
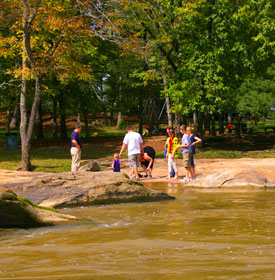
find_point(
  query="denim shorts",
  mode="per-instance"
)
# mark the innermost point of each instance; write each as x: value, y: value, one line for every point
x: 192, y: 161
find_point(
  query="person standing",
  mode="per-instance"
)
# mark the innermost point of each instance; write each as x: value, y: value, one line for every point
x: 186, y: 153
x: 116, y: 163
x: 171, y: 144
x: 194, y: 140
x: 76, y: 148
x: 134, y: 143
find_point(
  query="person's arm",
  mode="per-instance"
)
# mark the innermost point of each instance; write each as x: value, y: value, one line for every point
x: 141, y: 149
x: 113, y: 164
x: 76, y: 144
x: 122, y: 149
x: 198, y: 140
x: 146, y: 157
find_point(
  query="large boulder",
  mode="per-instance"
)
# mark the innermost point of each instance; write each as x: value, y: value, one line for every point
x: 16, y: 211
x: 105, y: 187
x: 92, y: 166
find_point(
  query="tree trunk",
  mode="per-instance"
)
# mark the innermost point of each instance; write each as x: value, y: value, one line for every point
x: 119, y: 118
x: 200, y: 124
x: 39, y: 123
x: 195, y: 121
x: 119, y: 115
x: 8, y: 121
x: 26, y: 128
x: 168, y: 101
x: 168, y: 110
x: 54, y: 119
x: 221, y: 123
x: 87, y: 130
x: 229, y: 117
x: 213, y: 125
x: 15, y: 117
x: 140, y: 119
x: 63, y: 128
x: 207, y: 122
x: 177, y: 124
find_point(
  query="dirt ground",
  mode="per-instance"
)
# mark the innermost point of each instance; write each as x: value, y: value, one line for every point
x: 204, y: 167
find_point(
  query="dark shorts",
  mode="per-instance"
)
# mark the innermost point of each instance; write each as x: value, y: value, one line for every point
x: 146, y: 163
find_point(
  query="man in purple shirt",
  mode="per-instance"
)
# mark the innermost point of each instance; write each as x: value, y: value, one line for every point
x: 76, y: 148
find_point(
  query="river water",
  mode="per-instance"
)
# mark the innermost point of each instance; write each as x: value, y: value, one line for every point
x: 203, y: 234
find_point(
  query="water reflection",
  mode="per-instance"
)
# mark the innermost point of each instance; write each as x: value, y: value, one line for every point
x: 201, y: 235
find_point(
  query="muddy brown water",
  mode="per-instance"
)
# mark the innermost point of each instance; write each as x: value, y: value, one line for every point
x: 203, y: 234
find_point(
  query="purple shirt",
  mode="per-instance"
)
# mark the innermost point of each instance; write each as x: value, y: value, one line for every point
x: 75, y: 136
x: 192, y: 139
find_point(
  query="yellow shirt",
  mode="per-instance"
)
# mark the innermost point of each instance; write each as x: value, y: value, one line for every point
x: 175, y: 143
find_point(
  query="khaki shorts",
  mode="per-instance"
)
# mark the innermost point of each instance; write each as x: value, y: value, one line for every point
x: 187, y: 160
x: 133, y: 160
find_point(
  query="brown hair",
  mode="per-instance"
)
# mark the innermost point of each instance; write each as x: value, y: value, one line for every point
x: 183, y: 127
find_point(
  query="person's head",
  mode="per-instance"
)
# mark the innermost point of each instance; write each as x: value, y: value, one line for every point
x: 115, y: 156
x: 183, y: 129
x: 168, y: 128
x: 171, y: 132
x: 129, y: 128
x: 77, y: 128
x: 189, y: 130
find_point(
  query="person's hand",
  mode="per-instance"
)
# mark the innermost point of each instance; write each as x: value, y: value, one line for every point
x: 148, y: 169
x: 172, y: 156
x: 120, y: 154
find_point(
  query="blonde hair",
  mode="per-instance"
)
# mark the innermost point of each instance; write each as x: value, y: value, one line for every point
x: 189, y: 128
x: 115, y: 155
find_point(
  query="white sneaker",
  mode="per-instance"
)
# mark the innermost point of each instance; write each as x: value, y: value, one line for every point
x: 185, y: 180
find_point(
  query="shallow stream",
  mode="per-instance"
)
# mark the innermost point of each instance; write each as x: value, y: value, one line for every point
x: 203, y: 234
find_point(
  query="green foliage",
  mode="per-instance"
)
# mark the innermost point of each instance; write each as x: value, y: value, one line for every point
x: 258, y: 96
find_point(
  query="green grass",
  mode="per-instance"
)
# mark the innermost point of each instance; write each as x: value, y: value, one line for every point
x: 48, y: 159
x: 212, y: 154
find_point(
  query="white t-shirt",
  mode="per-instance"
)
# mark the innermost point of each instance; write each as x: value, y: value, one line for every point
x: 133, y: 140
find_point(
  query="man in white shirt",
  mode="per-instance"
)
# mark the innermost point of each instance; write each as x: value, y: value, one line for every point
x: 133, y: 141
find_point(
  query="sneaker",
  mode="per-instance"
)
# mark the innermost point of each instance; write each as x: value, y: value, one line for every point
x: 194, y: 178
x: 185, y: 180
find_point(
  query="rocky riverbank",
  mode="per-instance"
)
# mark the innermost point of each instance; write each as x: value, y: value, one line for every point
x: 217, y: 173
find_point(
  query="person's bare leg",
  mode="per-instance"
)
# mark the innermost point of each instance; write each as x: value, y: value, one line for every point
x: 144, y: 169
x: 188, y: 173
x: 194, y: 172
x: 131, y: 173
x: 136, y: 172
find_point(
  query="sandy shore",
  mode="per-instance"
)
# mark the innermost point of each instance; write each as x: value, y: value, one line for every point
x: 204, y: 167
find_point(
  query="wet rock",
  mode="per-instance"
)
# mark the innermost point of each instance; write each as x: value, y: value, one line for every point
x: 91, y: 166
x: 238, y: 178
x: 84, y: 188
x: 16, y: 211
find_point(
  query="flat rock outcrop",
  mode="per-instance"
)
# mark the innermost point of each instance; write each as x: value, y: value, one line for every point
x: 85, y: 188
x: 19, y: 212
x: 237, y: 178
